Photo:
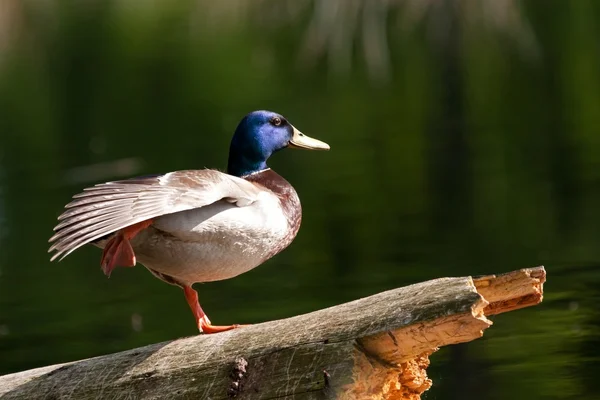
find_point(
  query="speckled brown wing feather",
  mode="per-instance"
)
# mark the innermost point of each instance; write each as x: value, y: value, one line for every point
x: 108, y: 207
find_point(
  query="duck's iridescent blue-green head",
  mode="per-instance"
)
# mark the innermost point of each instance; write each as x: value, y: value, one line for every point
x: 260, y: 134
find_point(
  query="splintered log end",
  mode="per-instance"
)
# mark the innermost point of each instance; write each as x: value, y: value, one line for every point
x: 377, y: 379
x: 513, y: 290
x: 392, y: 365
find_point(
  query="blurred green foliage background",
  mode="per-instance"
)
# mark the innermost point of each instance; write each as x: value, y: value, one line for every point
x: 465, y: 140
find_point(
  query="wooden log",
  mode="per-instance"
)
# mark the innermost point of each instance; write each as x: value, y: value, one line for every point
x: 373, y: 348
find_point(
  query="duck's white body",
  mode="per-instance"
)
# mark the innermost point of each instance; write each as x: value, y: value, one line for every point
x: 215, y: 242
x: 219, y: 227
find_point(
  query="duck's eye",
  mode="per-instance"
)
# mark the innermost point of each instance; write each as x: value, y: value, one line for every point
x: 276, y: 121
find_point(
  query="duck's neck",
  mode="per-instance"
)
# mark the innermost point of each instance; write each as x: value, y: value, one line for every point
x: 240, y: 165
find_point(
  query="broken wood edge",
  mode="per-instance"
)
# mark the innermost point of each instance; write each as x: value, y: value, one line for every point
x: 394, y: 364
x: 513, y: 290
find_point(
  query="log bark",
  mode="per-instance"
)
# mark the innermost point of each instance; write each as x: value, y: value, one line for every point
x: 373, y: 348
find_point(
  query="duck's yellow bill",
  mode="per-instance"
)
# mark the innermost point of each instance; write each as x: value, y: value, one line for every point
x: 301, y: 141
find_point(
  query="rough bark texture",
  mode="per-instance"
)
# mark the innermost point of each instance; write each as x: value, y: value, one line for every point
x: 372, y: 348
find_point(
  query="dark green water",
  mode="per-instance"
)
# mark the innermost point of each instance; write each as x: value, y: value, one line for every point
x: 473, y: 148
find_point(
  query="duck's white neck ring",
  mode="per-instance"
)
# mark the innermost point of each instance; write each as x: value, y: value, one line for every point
x: 255, y: 172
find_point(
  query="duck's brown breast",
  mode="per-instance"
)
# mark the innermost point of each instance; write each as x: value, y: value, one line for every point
x: 288, y: 199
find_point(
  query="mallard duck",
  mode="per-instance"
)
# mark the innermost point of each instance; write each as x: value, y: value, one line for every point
x: 195, y: 225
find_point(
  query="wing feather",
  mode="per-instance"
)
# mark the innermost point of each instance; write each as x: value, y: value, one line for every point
x: 108, y: 207
x: 64, y: 230
x: 84, y: 214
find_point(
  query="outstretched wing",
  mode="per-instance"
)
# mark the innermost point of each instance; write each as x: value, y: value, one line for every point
x: 108, y: 207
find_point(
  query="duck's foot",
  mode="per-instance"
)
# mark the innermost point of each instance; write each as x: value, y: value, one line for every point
x: 204, y: 324
x: 118, y: 251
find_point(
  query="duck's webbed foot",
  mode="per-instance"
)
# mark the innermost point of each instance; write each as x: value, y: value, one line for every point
x: 204, y: 324
x: 118, y: 251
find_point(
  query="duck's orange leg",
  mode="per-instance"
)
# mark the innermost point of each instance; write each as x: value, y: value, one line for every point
x: 118, y: 251
x: 204, y: 325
